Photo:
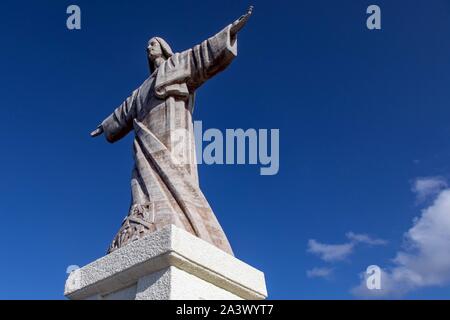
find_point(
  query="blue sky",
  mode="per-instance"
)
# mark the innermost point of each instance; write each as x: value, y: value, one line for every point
x: 363, y: 118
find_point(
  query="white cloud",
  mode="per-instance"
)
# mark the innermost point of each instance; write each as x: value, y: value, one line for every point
x: 364, y: 238
x: 336, y: 252
x: 330, y: 252
x: 319, y: 273
x: 425, y: 259
x: 387, y: 289
x: 427, y: 187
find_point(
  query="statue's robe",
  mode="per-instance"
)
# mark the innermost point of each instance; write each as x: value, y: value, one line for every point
x: 164, y: 184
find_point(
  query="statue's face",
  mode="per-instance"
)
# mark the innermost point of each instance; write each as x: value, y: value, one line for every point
x: 154, y: 50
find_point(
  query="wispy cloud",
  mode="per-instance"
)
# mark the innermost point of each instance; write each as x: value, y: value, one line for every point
x: 337, y: 252
x: 364, y: 238
x: 424, y: 259
x: 319, y: 273
x: 427, y: 187
x: 330, y: 252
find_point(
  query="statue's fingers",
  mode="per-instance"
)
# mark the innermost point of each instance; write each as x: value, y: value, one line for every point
x: 239, y: 23
x: 96, y: 132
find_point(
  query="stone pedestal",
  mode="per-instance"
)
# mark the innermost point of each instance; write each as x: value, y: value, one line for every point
x: 170, y: 264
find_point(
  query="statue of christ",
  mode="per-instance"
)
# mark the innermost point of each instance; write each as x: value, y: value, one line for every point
x: 164, y: 183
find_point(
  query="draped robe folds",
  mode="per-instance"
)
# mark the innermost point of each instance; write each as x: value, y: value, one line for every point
x: 164, y: 184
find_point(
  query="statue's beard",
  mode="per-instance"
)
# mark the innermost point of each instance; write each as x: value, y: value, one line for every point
x: 155, y: 62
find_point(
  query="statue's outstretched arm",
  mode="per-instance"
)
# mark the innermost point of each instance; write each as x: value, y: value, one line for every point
x: 118, y: 124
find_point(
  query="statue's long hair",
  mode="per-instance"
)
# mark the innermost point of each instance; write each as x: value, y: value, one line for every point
x: 166, y: 51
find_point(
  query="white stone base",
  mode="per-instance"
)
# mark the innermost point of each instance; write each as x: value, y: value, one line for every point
x: 170, y: 264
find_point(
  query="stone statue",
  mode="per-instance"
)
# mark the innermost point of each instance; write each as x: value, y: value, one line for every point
x: 164, y: 184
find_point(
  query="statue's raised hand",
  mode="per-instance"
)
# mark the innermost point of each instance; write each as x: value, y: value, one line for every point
x: 240, y: 23
x: 97, y: 131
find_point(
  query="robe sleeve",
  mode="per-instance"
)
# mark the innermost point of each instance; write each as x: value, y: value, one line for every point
x: 184, y: 72
x: 120, y: 122
x: 211, y: 57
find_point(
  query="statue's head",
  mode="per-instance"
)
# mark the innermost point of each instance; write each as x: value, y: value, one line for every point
x: 157, y: 49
